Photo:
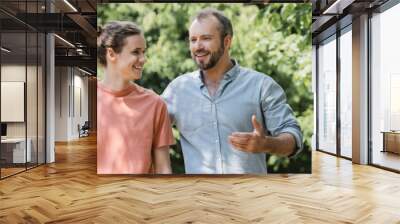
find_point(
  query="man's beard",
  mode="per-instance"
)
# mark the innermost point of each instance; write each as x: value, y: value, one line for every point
x: 214, y: 58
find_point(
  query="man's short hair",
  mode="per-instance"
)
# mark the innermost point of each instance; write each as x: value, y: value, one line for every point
x: 225, y: 24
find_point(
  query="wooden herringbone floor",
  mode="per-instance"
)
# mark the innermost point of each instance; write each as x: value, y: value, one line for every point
x: 69, y: 191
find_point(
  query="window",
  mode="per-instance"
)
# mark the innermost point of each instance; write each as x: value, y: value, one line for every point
x: 22, y: 69
x: 385, y: 87
x: 327, y: 95
x: 346, y: 92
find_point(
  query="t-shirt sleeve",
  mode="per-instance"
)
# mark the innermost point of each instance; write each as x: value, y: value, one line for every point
x: 163, y: 135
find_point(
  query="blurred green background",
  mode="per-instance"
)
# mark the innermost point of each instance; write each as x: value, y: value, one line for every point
x: 271, y: 38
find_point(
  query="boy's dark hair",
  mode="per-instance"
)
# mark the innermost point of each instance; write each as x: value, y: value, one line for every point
x: 113, y: 36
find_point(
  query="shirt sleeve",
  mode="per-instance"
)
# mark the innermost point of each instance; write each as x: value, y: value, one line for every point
x: 279, y: 117
x: 170, y: 100
x: 163, y: 135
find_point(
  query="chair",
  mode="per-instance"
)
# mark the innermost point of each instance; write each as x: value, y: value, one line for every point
x: 84, y: 130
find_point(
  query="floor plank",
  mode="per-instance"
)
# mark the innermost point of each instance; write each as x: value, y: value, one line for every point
x: 69, y: 191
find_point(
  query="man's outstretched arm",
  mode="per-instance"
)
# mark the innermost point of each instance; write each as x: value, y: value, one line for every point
x: 283, y: 145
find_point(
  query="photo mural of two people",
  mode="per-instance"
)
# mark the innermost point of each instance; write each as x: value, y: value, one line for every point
x: 229, y: 117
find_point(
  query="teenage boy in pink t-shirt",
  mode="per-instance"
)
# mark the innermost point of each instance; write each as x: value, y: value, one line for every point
x: 133, y: 127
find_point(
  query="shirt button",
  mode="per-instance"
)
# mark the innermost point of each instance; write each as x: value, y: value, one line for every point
x: 216, y: 141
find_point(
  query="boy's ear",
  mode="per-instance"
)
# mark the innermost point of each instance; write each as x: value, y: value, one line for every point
x: 110, y: 54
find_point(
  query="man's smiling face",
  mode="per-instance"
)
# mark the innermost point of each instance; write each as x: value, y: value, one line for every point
x: 206, y: 46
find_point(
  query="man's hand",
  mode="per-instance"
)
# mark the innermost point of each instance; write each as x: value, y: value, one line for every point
x: 250, y: 141
x: 283, y: 145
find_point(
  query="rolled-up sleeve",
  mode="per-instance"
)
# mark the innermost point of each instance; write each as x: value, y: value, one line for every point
x: 279, y: 117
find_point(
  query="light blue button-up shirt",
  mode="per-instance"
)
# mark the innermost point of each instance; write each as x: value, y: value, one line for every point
x: 205, y: 122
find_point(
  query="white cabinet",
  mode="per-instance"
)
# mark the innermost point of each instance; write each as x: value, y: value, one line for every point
x: 18, y: 149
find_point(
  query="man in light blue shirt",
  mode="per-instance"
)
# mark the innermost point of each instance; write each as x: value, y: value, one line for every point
x: 217, y: 108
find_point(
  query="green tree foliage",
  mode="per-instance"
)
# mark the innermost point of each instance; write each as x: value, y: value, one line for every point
x: 273, y: 38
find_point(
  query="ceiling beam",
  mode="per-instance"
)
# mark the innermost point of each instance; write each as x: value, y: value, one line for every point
x: 337, y: 7
x: 77, y: 61
x: 86, y: 26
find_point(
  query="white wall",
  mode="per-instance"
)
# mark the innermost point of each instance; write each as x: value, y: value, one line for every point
x: 61, y: 103
x: 33, y: 127
x: 71, y: 94
x: 16, y: 73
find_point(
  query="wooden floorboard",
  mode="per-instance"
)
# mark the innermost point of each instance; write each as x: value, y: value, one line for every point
x: 69, y: 191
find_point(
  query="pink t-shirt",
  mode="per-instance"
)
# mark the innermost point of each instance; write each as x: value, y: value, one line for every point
x: 130, y: 124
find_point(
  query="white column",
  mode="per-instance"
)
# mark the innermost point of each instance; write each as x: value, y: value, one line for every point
x: 360, y: 90
x: 50, y: 110
x: 50, y: 92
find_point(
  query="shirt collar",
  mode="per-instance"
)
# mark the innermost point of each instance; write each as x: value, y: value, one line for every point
x: 231, y: 74
x: 123, y: 92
